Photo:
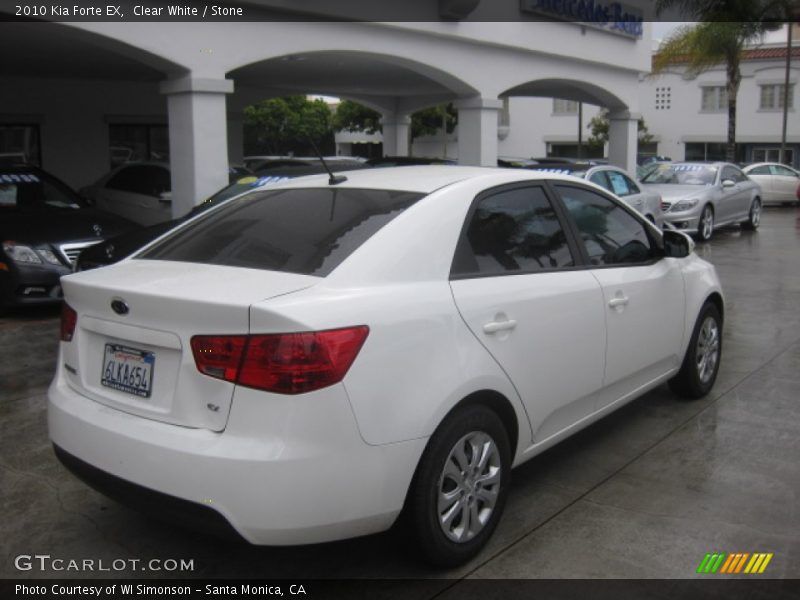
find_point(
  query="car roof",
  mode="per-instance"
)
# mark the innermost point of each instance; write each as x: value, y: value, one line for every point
x: 768, y: 164
x: 422, y: 179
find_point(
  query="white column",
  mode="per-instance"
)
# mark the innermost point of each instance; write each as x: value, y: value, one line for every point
x: 623, y: 140
x: 396, y: 134
x: 198, y: 141
x: 477, y: 131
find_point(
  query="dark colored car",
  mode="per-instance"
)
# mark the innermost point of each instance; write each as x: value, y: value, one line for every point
x: 43, y: 227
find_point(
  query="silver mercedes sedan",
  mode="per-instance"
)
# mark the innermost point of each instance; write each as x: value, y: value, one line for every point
x: 699, y: 197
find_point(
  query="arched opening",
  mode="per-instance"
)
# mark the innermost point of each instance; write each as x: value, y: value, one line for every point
x: 78, y: 102
x: 392, y: 85
x: 572, y: 119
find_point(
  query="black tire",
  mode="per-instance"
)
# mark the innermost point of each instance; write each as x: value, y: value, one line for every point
x: 694, y: 380
x: 704, y: 232
x: 422, y: 516
x: 754, y: 218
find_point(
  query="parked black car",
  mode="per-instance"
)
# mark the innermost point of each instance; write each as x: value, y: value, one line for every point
x: 43, y: 227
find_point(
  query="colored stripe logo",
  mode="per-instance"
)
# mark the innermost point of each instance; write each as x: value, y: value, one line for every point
x: 735, y: 563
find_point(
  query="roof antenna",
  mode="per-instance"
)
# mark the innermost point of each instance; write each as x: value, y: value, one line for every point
x: 333, y: 179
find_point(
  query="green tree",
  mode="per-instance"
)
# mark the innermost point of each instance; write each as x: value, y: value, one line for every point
x: 724, y: 28
x: 429, y: 120
x: 293, y: 124
x: 352, y: 116
x: 598, y: 126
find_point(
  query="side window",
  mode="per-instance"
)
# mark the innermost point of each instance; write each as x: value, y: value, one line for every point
x: 783, y: 171
x: 510, y: 232
x: 733, y: 174
x: 124, y: 180
x: 610, y: 234
x: 599, y: 177
x: 632, y: 187
x: 149, y: 180
x: 762, y: 170
x: 619, y: 183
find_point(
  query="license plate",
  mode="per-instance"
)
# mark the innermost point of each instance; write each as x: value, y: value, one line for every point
x: 128, y: 370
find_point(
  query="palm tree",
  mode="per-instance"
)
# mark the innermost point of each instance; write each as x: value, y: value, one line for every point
x: 725, y: 27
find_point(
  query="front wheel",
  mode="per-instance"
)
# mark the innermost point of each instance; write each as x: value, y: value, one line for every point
x: 705, y: 228
x: 460, y: 486
x: 754, y: 218
x: 701, y: 361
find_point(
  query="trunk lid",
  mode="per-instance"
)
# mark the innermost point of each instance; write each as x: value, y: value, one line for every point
x: 140, y: 360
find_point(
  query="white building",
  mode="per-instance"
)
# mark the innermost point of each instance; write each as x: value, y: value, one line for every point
x: 686, y: 116
x: 689, y: 115
x: 78, y: 96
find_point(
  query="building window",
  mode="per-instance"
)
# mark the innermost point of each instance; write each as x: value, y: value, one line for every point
x: 564, y: 107
x: 20, y: 144
x: 711, y: 151
x: 715, y: 98
x: 663, y: 98
x: 134, y: 142
x: 772, y: 155
x: 772, y: 97
x: 568, y: 150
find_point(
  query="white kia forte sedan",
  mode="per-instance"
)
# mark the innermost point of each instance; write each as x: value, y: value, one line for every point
x: 314, y: 361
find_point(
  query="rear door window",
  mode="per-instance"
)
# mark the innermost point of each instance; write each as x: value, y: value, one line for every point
x: 307, y: 231
x: 510, y: 232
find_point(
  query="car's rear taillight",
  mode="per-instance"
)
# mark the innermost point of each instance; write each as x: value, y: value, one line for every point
x: 219, y: 355
x: 284, y: 363
x: 69, y: 319
x: 798, y: 192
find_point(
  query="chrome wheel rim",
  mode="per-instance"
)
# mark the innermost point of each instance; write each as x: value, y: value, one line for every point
x: 708, y: 223
x: 469, y: 487
x: 707, y: 354
x: 755, y: 213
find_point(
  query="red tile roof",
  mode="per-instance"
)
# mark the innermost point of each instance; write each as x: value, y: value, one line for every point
x: 769, y: 53
x: 759, y: 54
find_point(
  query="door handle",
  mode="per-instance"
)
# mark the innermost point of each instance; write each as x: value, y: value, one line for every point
x: 495, y: 326
x: 618, y: 301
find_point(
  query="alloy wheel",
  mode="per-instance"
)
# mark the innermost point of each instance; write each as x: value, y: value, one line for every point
x: 469, y: 486
x: 707, y: 351
x: 707, y: 223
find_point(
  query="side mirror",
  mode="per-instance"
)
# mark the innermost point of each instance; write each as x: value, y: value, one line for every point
x: 728, y: 183
x: 165, y: 197
x: 677, y: 244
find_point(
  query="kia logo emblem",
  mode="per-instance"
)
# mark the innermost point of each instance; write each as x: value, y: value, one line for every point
x: 119, y: 306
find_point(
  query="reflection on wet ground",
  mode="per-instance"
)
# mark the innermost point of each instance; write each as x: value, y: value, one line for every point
x: 644, y: 493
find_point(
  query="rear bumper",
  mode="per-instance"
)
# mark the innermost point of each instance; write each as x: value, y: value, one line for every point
x: 286, y: 470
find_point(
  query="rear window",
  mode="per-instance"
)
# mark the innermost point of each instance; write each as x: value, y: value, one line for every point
x: 305, y: 231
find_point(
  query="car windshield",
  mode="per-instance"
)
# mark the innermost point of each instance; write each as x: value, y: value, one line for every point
x: 682, y: 173
x: 31, y: 191
x: 303, y: 230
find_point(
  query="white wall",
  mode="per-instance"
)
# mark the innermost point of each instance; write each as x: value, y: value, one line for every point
x: 686, y: 122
